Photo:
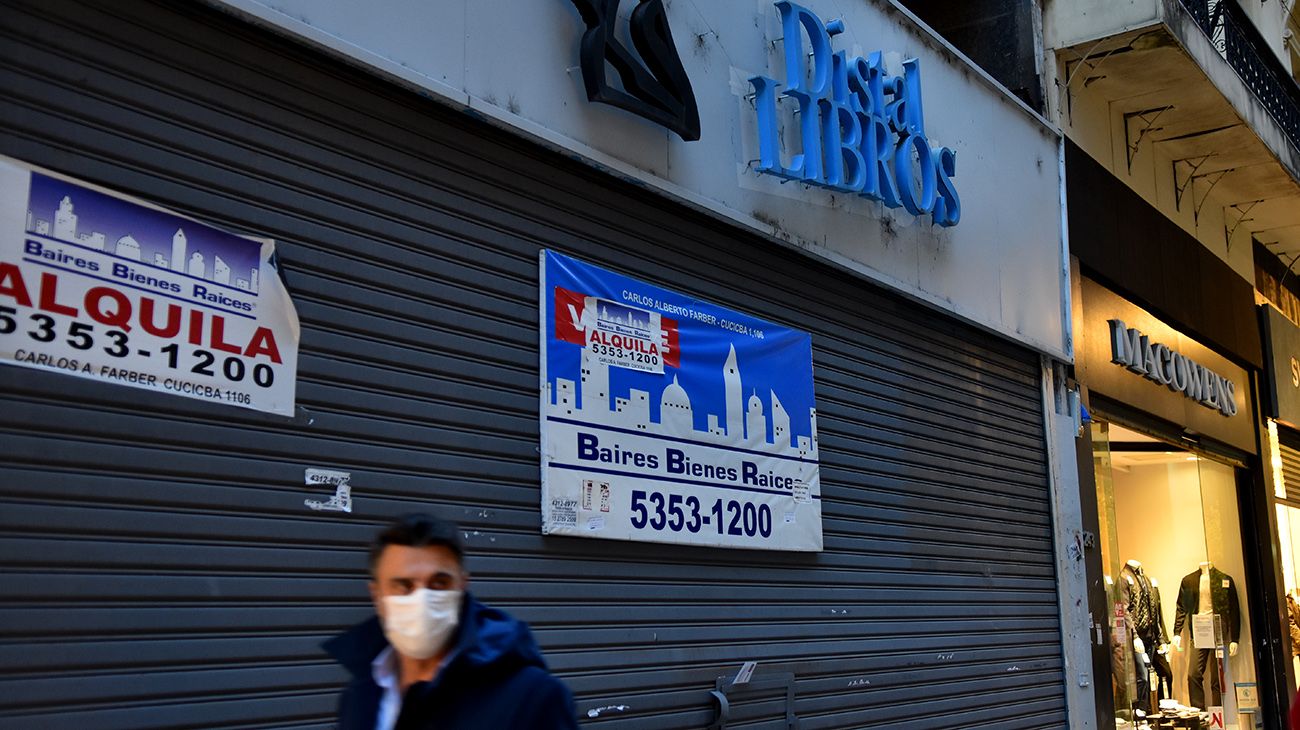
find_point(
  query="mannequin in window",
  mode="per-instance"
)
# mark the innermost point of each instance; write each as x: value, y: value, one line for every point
x: 1150, y: 639
x: 1207, y: 591
x: 1164, y: 672
x: 1137, y: 602
x: 1293, y: 621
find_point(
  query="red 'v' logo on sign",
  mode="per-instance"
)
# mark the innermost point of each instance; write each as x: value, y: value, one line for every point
x: 569, y: 326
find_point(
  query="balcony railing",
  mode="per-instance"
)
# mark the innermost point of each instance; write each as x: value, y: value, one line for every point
x: 1246, y: 51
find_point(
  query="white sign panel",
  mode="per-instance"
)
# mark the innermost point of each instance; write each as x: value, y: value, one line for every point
x: 667, y: 419
x: 103, y: 286
x: 1203, y: 631
x: 1003, y: 266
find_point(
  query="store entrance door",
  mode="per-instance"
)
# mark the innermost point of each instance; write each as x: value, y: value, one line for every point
x: 1174, y: 570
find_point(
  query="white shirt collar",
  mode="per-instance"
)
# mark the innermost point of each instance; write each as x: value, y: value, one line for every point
x: 384, y: 670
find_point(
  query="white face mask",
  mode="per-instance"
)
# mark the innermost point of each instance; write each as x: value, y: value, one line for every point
x: 419, y: 624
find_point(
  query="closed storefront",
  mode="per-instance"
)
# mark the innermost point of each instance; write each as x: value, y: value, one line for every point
x: 169, y: 561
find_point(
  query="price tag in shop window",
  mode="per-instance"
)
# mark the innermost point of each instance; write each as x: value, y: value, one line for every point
x: 1203, y: 631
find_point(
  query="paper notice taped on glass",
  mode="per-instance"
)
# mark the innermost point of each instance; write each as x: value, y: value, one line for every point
x: 1203, y: 631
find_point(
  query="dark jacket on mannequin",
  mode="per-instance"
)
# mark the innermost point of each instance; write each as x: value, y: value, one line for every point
x: 494, y: 678
x: 1135, y: 586
x: 1223, y: 599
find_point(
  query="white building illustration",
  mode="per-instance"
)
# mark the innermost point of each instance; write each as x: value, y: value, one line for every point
x: 127, y: 248
x: 220, y: 271
x: 743, y: 423
x: 95, y: 240
x: 636, y: 408
x: 65, y: 227
x: 734, y: 406
x: 65, y: 221
x: 595, y: 383
x: 755, y: 421
x: 182, y: 260
x: 675, y: 414
x: 179, y: 244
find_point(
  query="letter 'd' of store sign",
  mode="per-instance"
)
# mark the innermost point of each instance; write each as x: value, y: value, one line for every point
x: 860, y: 130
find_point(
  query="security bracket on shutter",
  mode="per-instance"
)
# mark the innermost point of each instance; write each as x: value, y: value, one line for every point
x: 725, y: 690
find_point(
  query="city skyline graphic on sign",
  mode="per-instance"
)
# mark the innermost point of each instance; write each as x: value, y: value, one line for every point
x: 637, y: 319
x: 718, y: 394
x: 70, y: 213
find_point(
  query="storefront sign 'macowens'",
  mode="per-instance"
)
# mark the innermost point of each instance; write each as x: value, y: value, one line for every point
x: 860, y: 130
x: 1179, y: 373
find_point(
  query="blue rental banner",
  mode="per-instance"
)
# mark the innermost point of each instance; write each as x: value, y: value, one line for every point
x: 668, y: 419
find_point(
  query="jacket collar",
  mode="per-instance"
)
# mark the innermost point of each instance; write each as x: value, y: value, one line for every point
x: 357, y: 647
x: 1216, y: 577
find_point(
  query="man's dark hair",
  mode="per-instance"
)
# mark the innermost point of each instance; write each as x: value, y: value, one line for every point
x: 418, y: 530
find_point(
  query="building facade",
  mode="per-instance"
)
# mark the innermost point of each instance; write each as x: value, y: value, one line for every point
x: 171, y: 561
x: 1183, y: 179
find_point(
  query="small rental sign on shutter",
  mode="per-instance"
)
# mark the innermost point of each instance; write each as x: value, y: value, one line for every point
x: 99, y: 285
x: 669, y: 419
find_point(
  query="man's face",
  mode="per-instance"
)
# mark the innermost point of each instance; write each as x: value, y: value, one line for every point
x: 402, y: 570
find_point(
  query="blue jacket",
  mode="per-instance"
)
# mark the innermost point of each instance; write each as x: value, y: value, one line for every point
x: 494, y: 679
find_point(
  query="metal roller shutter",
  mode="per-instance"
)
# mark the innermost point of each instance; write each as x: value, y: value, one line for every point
x: 161, y: 571
x: 1291, y: 468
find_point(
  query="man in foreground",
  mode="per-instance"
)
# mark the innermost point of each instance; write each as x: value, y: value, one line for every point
x: 433, y: 657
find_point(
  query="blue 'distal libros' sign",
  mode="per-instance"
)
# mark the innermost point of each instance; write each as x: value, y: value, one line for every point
x: 860, y: 130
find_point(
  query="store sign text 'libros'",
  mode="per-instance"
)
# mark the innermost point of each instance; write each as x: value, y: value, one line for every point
x: 860, y: 130
x: 1179, y: 373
